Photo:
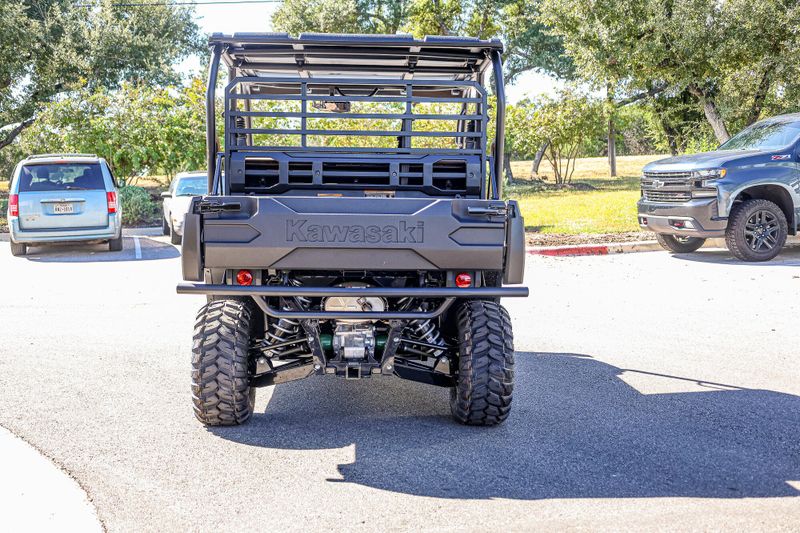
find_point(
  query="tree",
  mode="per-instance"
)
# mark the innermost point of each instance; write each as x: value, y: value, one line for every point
x: 529, y: 44
x: 138, y: 129
x: 562, y: 124
x: 709, y: 49
x: 49, y: 48
x: 340, y: 16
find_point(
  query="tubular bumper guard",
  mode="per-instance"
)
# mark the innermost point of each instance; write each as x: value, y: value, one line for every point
x: 260, y: 292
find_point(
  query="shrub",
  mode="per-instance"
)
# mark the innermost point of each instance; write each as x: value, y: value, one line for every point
x: 137, y: 207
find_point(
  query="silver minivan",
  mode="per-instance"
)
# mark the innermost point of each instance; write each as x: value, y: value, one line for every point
x: 63, y: 198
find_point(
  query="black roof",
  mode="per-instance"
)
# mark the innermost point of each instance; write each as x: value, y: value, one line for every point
x: 325, y: 55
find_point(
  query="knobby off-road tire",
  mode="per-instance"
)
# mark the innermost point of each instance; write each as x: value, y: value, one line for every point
x: 485, y: 382
x: 757, y: 230
x: 221, y: 389
x: 18, y: 248
x: 680, y: 245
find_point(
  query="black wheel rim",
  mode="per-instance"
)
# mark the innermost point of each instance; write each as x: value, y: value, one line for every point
x: 761, y: 231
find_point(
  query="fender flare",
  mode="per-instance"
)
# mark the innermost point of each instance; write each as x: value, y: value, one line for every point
x: 728, y: 198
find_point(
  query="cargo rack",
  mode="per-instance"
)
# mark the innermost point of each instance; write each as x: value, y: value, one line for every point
x: 289, y: 90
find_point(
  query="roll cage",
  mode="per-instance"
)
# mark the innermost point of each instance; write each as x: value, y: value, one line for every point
x: 343, y: 113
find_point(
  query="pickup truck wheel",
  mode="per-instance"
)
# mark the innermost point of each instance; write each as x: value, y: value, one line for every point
x: 18, y: 248
x: 679, y: 244
x: 115, y: 245
x: 757, y: 230
x: 165, y: 226
x: 174, y: 238
x: 221, y: 390
x: 485, y: 381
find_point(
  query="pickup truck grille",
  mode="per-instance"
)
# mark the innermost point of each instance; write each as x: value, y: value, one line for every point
x: 668, y: 197
x: 654, y: 180
x: 667, y: 187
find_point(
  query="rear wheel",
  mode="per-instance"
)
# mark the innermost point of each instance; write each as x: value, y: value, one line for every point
x: 115, y: 245
x: 757, y: 230
x: 221, y: 390
x: 679, y: 243
x: 18, y: 248
x: 485, y: 381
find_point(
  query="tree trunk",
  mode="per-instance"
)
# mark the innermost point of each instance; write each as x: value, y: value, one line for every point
x: 612, y: 134
x: 712, y: 114
x: 507, y: 168
x: 760, y: 95
x: 672, y: 136
x: 537, y: 160
x: 612, y: 148
x: 14, y: 132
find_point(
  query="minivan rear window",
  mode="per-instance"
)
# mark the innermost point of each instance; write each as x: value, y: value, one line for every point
x: 61, y: 177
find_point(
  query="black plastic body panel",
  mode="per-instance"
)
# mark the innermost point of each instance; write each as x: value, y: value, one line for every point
x: 191, y: 260
x: 515, y: 246
x: 312, y: 233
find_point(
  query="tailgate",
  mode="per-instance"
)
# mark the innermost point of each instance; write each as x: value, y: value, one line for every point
x: 319, y: 233
x: 63, y: 209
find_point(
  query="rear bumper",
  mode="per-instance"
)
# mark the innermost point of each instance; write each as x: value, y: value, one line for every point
x: 259, y: 292
x: 700, y: 214
x: 19, y: 235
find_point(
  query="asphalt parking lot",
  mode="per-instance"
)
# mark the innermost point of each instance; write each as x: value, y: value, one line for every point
x: 653, y: 391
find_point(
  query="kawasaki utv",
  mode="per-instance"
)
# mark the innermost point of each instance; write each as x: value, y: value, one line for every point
x: 355, y: 225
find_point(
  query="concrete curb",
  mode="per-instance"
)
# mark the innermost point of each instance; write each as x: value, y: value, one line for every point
x: 595, y: 249
x: 37, y: 495
x: 625, y: 247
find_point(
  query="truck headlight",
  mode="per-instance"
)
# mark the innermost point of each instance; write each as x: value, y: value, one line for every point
x: 708, y: 178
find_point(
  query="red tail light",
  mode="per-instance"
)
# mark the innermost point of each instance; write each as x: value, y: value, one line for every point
x: 13, y: 205
x: 463, y: 280
x: 244, y: 277
x: 112, y: 201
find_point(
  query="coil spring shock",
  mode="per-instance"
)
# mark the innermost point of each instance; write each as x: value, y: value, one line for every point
x: 286, y: 328
x: 423, y: 330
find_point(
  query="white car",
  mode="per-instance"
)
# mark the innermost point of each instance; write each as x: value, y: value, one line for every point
x: 177, y: 199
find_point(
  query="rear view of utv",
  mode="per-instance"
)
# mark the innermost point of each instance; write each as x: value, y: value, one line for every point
x: 355, y: 226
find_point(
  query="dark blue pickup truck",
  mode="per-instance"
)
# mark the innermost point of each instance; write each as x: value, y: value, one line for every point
x: 747, y: 191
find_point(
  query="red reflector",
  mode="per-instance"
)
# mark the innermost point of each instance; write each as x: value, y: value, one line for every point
x: 463, y: 280
x: 244, y: 277
x: 13, y: 205
x: 112, y: 201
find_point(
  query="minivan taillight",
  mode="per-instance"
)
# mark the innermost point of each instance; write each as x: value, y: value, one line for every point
x: 112, y: 201
x: 13, y: 205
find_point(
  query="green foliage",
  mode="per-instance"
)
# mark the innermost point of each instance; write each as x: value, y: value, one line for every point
x: 529, y: 45
x: 734, y: 58
x: 51, y: 48
x: 138, y: 129
x: 340, y: 16
x: 136, y: 205
x: 563, y: 124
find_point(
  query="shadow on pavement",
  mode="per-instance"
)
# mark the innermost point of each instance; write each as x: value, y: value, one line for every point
x: 576, y: 431
x: 789, y: 256
x: 150, y: 250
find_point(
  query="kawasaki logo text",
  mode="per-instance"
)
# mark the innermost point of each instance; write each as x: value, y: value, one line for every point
x: 302, y: 231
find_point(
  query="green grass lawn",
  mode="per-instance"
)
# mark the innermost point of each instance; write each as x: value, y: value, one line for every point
x: 611, y: 208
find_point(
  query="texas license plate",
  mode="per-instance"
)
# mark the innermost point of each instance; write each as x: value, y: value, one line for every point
x: 61, y: 209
